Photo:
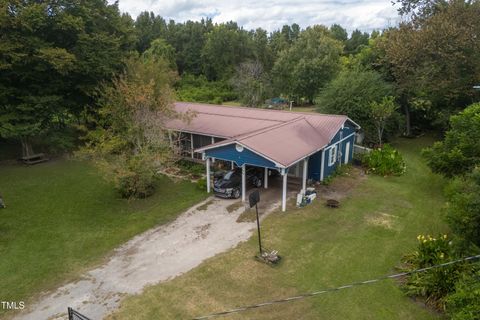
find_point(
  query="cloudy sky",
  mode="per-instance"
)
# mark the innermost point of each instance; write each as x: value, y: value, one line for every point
x: 365, y: 15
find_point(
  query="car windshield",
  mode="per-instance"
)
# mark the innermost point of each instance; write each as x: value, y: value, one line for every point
x: 228, y: 175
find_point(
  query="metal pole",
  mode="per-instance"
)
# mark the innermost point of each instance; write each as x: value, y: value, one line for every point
x: 258, y: 228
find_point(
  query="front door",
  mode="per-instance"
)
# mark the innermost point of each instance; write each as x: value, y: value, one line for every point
x: 347, y: 152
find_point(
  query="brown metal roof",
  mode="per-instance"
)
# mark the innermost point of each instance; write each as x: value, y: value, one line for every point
x: 282, y: 136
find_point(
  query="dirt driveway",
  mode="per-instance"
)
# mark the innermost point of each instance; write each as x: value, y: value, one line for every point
x: 152, y: 257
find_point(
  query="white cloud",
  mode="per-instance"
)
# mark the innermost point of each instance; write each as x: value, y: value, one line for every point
x: 365, y: 15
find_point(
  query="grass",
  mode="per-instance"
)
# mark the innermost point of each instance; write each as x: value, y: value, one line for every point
x: 365, y: 238
x: 62, y: 218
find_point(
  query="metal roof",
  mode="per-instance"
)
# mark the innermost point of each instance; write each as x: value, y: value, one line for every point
x: 282, y: 136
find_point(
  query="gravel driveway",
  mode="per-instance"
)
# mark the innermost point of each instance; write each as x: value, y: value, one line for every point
x: 152, y: 257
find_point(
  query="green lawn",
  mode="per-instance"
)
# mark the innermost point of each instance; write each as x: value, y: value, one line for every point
x: 365, y: 238
x: 62, y: 218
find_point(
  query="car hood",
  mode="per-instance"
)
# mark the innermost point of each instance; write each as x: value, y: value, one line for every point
x: 224, y: 184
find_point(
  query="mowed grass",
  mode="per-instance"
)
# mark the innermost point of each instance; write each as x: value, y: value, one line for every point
x: 62, y: 218
x: 321, y: 248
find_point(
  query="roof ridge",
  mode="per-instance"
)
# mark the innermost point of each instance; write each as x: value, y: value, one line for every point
x: 262, y: 110
x: 262, y: 130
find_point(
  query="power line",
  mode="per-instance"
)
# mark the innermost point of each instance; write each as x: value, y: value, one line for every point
x: 323, y: 291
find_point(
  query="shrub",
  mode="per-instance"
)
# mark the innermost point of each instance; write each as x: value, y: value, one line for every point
x: 385, y: 161
x: 134, y: 177
x: 459, y: 152
x: 199, y: 89
x: 464, y: 303
x: 435, y: 284
x: 202, y: 184
x: 463, y: 209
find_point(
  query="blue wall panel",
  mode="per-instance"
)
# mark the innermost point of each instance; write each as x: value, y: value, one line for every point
x: 230, y: 153
x: 341, y: 151
x: 314, y: 163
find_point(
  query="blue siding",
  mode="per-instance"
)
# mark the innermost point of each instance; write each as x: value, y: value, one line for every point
x: 314, y: 165
x: 230, y: 153
x: 341, y: 151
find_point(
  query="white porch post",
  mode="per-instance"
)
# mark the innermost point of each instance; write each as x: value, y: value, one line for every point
x: 305, y: 170
x: 243, y: 182
x: 207, y: 162
x: 233, y: 166
x: 322, y: 165
x: 284, y: 190
x: 191, y: 143
x: 265, y: 179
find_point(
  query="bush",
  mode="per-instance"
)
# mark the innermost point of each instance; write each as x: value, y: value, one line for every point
x: 434, y: 285
x: 459, y: 152
x: 463, y: 209
x: 199, y: 89
x: 385, y: 161
x: 464, y: 303
x: 202, y: 184
x: 133, y: 177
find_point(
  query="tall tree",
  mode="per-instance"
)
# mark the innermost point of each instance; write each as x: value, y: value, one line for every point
x: 339, y: 33
x: 226, y: 46
x: 53, y: 55
x: 433, y: 59
x: 251, y: 83
x: 308, y: 65
x: 130, y: 143
x: 149, y: 27
x: 356, y: 42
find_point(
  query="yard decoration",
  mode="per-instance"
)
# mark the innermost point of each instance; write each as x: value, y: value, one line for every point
x: 267, y: 256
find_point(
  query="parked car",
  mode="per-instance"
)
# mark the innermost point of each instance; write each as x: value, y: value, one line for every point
x: 230, y: 184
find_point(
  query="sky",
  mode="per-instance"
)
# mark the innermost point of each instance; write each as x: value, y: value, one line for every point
x: 366, y: 15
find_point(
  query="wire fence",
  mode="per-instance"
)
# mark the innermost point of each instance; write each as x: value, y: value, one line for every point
x: 328, y: 290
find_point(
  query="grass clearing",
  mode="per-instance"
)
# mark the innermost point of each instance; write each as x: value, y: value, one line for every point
x: 366, y: 237
x: 62, y: 218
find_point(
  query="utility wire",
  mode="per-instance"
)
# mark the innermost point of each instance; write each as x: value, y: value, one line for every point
x: 323, y: 291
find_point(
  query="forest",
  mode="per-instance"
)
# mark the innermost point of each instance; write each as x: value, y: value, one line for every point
x: 55, y: 56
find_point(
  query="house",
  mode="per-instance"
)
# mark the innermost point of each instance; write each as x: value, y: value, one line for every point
x: 302, y: 145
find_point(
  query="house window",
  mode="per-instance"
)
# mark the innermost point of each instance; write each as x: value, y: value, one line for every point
x: 333, y: 155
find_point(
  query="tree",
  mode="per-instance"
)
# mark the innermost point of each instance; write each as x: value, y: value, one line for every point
x: 226, y: 47
x: 53, y: 55
x: 160, y: 49
x: 380, y: 112
x: 433, y: 60
x: 251, y: 83
x: 308, y: 65
x: 339, y: 33
x: 351, y: 93
x: 149, y: 27
x: 459, y: 152
x: 130, y: 143
x: 356, y: 42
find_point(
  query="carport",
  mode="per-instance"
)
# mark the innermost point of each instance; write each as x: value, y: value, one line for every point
x: 307, y: 146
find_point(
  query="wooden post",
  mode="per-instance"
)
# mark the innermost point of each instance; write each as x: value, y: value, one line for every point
x: 207, y: 163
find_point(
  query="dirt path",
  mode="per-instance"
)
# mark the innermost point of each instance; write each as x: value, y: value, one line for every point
x: 152, y: 257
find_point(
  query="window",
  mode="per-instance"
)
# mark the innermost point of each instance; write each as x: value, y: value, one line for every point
x: 333, y: 155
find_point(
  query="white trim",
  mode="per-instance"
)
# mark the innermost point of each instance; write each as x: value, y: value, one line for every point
x: 200, y: 134
x: 330, y: 146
